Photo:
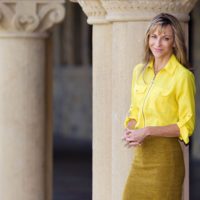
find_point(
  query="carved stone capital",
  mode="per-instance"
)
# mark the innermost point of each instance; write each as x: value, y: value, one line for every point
x: 94, y: 10
x: 133, y: 10
x: 30, y: 16
x: 142, y: 10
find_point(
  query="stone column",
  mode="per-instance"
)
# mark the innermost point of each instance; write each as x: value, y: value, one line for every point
x: 127, y: 23
x: 25, y: 156
x: 102, y: 111
x: 102, y: 103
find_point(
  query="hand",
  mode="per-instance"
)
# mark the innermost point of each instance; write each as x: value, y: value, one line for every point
x: 134, y: 138
x: 127, y: 134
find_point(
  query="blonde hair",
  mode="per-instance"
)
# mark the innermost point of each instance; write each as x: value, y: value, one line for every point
x: 179, y: 50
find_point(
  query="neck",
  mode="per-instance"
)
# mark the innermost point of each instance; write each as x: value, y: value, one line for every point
x: 159, y: 63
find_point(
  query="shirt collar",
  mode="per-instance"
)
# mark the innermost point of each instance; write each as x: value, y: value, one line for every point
x: 169, y: 67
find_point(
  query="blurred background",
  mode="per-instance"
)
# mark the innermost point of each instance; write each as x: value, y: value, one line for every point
x: 72, y: 95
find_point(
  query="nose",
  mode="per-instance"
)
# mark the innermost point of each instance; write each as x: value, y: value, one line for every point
x: 158, y: 42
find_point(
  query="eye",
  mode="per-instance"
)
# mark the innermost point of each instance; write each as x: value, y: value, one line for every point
x: 166, y: 39
x: 153, y: 36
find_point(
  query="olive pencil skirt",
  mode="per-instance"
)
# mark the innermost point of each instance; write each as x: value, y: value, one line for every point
x: 157, y: 172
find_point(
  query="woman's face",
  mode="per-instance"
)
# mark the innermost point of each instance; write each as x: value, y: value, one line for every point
x: 161, y: 42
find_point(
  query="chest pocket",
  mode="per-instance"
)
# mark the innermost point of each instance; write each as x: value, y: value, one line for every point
x: 165, y: 93
x: 139, y: 93
x: 165, y: 99
x: 140, y: 89
x: 165, y: 96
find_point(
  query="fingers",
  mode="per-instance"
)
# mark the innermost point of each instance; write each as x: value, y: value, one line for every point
x: 126, y: 133
x: 130, y: 138
x: 132, y: 144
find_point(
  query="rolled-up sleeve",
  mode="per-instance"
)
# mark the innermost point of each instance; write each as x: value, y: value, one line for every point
x: 186, y: 105
x: 133, y: 111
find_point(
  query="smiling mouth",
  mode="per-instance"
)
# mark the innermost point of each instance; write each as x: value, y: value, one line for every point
x: 157, y: 49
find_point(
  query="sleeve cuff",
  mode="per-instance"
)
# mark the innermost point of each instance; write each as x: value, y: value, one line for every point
x: 184, y: 134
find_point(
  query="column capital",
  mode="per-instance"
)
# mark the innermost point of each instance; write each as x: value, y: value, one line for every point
x: 101, y: 11
x: 145, y: 10
x: 29, y: 17
x: 94, y: 10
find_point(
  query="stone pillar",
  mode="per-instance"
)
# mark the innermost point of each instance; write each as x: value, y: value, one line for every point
x: 25, y: 154
x: 102, y: 103
x: 102, y: 93
x: 112, y: 69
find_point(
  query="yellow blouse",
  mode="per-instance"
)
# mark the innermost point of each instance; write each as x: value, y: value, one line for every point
x: 163, y: 99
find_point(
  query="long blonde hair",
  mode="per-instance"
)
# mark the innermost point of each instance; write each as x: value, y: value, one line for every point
x: 179, y: 50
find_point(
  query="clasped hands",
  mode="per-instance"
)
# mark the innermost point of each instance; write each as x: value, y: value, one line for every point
x: 134, y: 137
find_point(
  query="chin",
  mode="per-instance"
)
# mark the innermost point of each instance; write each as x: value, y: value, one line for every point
x: 160, y: 55
x: 157, y: 55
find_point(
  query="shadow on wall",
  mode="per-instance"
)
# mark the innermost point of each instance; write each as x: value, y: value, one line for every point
x: 195, y: 140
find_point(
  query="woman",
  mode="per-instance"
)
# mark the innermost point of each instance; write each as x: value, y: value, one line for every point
x: 162, y: 111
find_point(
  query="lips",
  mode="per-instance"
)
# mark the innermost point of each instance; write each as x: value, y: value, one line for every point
x: 157, y: 50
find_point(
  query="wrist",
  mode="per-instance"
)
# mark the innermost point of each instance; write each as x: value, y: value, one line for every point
x: 131, y: 124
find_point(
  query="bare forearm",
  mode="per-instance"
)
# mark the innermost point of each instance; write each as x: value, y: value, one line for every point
x: 135, y: 137
x: 163, y: 131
